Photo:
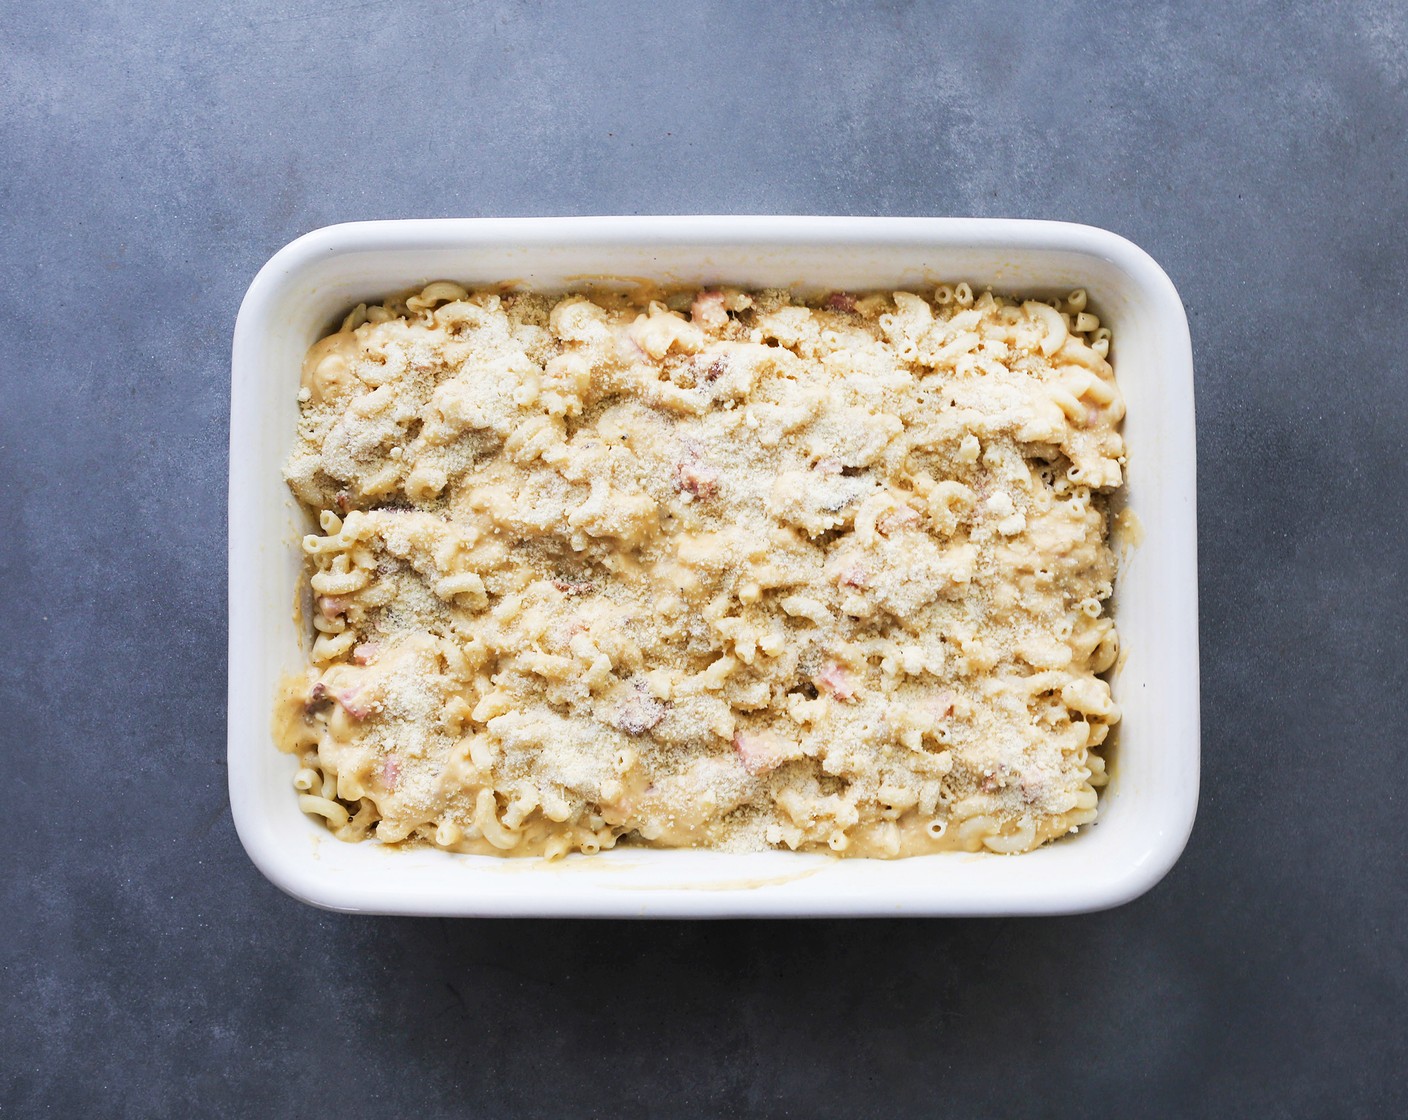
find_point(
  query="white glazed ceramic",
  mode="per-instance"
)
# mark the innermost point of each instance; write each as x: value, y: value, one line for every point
x: 1148, y: 808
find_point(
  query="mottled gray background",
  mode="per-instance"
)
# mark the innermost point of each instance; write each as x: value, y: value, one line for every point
x: 153, y: 155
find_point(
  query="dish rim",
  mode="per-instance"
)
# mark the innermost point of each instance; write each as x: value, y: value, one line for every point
x: 288, y: 267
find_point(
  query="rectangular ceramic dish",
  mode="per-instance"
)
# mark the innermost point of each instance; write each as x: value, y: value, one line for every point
x: 1147, y: 810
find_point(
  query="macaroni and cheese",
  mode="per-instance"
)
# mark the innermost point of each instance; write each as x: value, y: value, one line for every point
x: 713, y: 568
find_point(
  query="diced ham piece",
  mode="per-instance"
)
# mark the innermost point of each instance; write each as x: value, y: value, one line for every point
x: 364, y: 653
x: 696, y: 478
x: 762, y: 751
x: 840, y: 301
x: 355, y: 702
x: 708, y: 311
x: 572, y: 587
x: 899, y: 518
x: 836, y: 681
x: 390, y: 772
x: 854, y: 576
x: 638, y: 714
x: 331, y: 606
x: 343, y: 501
x: 714, y: 370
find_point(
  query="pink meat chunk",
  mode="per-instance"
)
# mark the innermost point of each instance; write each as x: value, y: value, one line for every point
x: 901, y: 518
x: 708, y: 311
x: 854, y: 576
x: 638, y: 714
x: 696, y: 478
x: 355, y: 702
x: 836, y: 681
x: 760, y: 752
x: 390, y: 772
x: 331, y: 606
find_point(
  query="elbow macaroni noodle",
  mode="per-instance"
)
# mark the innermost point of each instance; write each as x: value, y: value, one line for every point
x: 714, y: 568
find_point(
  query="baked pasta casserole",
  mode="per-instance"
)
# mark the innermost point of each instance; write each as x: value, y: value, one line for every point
x: 709, y: 568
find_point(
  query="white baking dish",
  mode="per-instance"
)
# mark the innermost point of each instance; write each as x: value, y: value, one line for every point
x: 1148, y: 808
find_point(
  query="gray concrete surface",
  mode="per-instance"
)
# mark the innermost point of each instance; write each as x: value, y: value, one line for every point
x: 153, y: 155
